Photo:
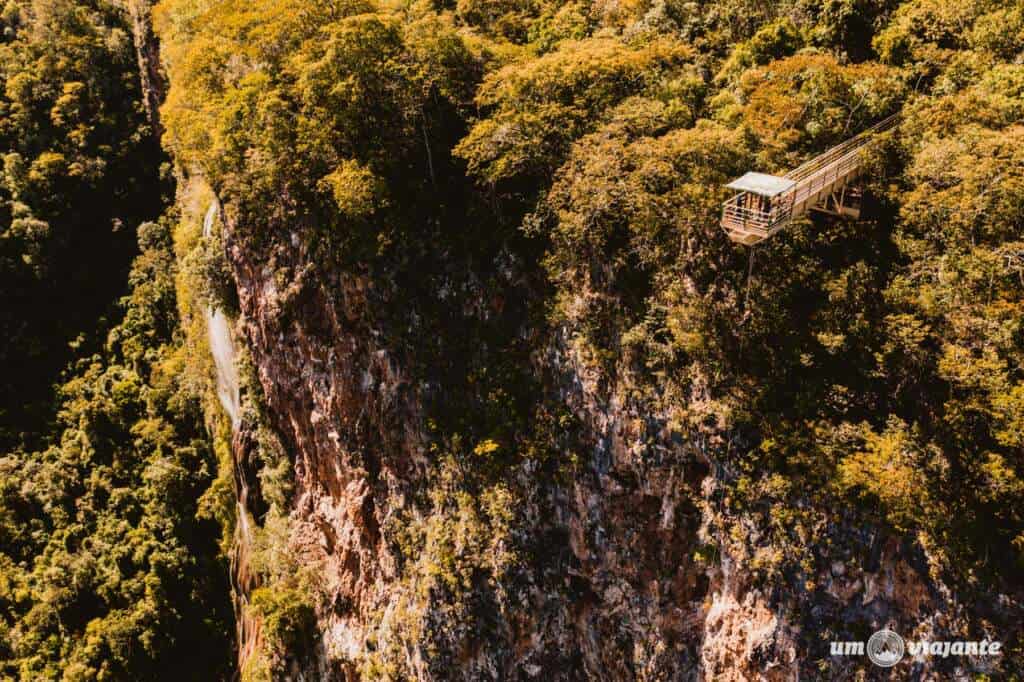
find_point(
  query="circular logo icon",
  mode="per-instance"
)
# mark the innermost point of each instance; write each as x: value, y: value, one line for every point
x: 885, y: 648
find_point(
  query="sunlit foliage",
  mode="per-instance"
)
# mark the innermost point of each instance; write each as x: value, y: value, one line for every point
x: 108, y: 571
x: 79, y: 170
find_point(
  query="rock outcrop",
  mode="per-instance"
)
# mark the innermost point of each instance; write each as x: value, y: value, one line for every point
x: 626, y: 566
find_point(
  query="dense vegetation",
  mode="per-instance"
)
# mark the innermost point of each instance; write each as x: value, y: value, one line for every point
x: 81, y: 169
x: 563, y: 163
x: 109, y: 559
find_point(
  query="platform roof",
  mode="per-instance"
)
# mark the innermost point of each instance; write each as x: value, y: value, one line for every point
x: 762, y: 184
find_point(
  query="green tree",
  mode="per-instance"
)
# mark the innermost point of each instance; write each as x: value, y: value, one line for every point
x: 108, y: 570
x: 80, y: 169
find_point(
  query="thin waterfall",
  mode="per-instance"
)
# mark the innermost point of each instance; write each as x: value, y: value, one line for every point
x: 221, y: 345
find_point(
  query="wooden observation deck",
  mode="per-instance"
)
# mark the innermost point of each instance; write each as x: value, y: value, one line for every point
x: 767, y: 203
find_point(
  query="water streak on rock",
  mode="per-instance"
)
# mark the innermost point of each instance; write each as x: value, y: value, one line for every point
x: 221, y: 345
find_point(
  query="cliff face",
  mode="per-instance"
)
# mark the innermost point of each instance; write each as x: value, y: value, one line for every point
x: 626, y: 566
x: 348, y: 419
x: 603, y: 583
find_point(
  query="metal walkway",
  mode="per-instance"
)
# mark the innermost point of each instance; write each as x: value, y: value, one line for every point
x: 767, y: 203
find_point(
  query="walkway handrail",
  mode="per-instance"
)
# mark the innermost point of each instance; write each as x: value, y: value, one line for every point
x: 834, y: 154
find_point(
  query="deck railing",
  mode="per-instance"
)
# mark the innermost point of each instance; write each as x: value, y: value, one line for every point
x: 753, y: 218
x: 837, y: 164
x: 841, y: 150
x: 841, y: 168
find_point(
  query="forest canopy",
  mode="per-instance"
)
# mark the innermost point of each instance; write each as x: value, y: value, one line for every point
x: 556, y: 169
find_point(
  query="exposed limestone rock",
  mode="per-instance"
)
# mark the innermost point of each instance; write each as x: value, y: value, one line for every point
x: 605, y: 580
